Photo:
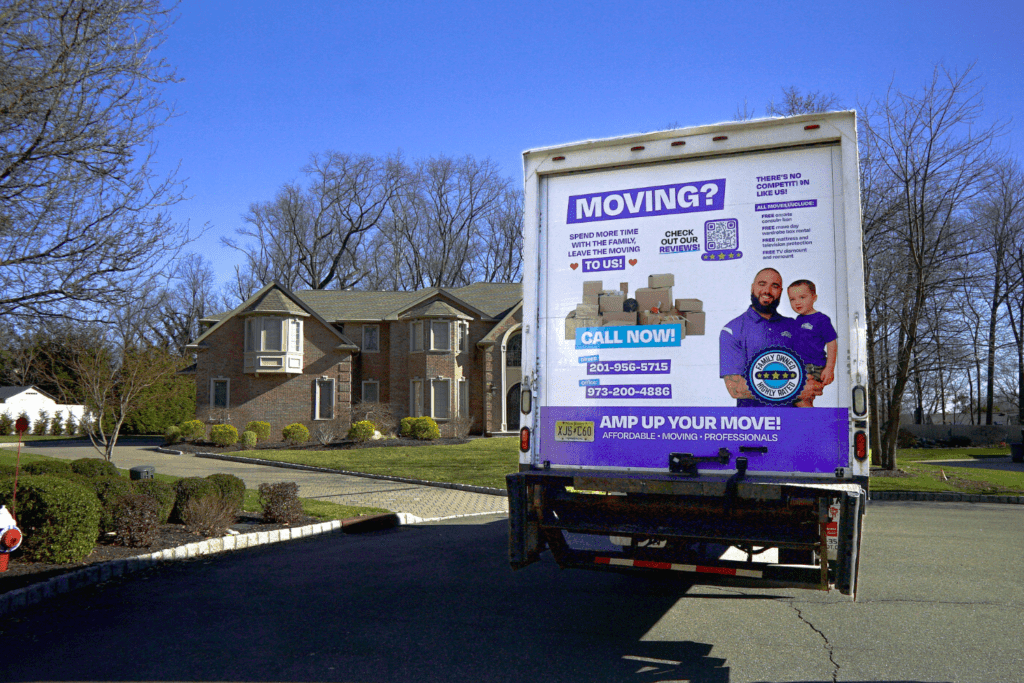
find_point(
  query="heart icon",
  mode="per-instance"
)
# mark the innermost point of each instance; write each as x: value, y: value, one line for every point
x: 632, y: 261
x: 574, y: 266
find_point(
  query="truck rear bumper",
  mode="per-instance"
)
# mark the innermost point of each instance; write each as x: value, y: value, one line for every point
x: 668, y: 523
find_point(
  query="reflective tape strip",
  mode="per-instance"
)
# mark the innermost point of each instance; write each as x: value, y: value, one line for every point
x: 696, y: 569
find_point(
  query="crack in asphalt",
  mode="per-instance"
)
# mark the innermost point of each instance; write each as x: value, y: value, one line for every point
x: 828, y: 645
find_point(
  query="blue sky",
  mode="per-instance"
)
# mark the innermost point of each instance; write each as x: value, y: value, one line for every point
x: 265, y: 84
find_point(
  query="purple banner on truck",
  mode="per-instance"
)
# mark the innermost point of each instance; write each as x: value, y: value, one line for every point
x: 807, y: 440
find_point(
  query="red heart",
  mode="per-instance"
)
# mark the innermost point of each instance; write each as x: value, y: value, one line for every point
x: 574, y: 266
x: 632, y: 261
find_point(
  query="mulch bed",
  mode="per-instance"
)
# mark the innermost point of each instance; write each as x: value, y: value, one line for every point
x: 22, y: 573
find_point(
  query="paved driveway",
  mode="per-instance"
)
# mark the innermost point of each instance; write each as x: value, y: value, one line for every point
x: 941, y: 600
x: 423, y: 502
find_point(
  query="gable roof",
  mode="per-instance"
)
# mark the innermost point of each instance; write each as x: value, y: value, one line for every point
x: 488, y: 300
x: 12, y: 391
x: 434, y: 309
x: 273, y: 298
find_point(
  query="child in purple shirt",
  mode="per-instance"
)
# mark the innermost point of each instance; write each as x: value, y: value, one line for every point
x: 814, y: 338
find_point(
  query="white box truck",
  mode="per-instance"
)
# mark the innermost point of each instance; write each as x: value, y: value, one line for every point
x: 694, y: 361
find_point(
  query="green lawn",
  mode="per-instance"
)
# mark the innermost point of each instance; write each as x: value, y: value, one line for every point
x: 480, y: 462
x: 320, y: 509
x: 485, y: 462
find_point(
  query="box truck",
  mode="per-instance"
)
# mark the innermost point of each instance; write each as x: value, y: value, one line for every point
x: 694, y: 363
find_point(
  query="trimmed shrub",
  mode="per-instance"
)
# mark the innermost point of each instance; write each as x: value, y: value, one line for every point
x: 60, y: 518
x: 193, y: 429
x: 172, y: 435
x: 94, y: 467
x: 109, y: 490
x: 160, y: 491
x: 405, y: 427
x: 231, y: 488
x: 261, y: 429
x: 191, y: 488
x: 224, y: 435
x: 249, y: 439
x: 208, y: 516
x: 295, y: 433
x: 280, y: 502
x: 362, y: 431
x: 425, y: 429
x: 136, y: 520
x: 24, y: 414
x: 58, y: 467
x: 6, y: 424
x: 41, y: 423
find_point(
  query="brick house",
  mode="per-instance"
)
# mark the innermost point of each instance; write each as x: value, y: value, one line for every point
x: 308, y: 356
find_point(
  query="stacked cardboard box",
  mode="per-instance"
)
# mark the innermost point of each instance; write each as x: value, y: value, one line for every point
x: 655, y: 307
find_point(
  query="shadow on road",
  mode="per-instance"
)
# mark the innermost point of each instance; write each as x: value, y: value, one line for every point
x: 426, y: 603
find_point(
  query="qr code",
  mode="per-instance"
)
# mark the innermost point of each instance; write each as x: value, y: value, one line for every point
x: 722, y: 235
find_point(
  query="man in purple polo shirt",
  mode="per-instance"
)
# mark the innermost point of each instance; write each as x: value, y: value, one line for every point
x: 758, y: 328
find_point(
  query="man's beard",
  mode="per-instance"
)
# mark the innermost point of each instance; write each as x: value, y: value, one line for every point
x: 761, y: 308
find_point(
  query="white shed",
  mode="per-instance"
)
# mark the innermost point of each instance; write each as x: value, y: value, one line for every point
x: 31, y: 400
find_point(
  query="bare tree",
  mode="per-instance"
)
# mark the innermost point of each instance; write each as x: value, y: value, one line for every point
x: 109, y: 380
x: 1015, y: 314
x: 80, y: 203
x: 455, y: 223
x: 501, y: 255
x: 308, y: 236
x: 938, y: 161
x: 999, y: 219
x: 793, y: 102
x: 187, y: 299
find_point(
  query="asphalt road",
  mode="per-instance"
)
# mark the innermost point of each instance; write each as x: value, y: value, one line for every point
x: 942, y: 599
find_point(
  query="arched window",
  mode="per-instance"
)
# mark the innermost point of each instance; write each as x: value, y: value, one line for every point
x: 514, y: 352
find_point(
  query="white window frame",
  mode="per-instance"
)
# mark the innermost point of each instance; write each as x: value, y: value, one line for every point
x: 446, y: 336
x: 318, y: 392
x: 416, y: 397
x: 227, y: 393
x: 463, y: 404
x: 375, y: 347
x: 463, y: 337
x: 416, y: 336
x: 376, y: 389
x: 257, y: 328
x: 433, y: 398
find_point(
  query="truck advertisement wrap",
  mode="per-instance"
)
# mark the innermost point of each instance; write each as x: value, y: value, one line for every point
x: 690, y: 307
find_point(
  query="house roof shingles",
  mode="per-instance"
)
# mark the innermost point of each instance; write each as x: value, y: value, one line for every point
x: 494, y: 299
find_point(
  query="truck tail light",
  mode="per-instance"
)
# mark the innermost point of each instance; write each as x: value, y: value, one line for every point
x: 526, y: 401
x: 524, y: 439
x: 860, y: 445
x: 860, y: 401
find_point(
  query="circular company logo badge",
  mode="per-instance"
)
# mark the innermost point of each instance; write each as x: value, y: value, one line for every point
x: 776, y: 376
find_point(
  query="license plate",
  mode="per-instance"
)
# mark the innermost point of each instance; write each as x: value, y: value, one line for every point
x: 570, y: 430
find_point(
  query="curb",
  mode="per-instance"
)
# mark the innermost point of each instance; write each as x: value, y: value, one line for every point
x: 105, y: 571
x: 486, y: 490
x: 945, y: 497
